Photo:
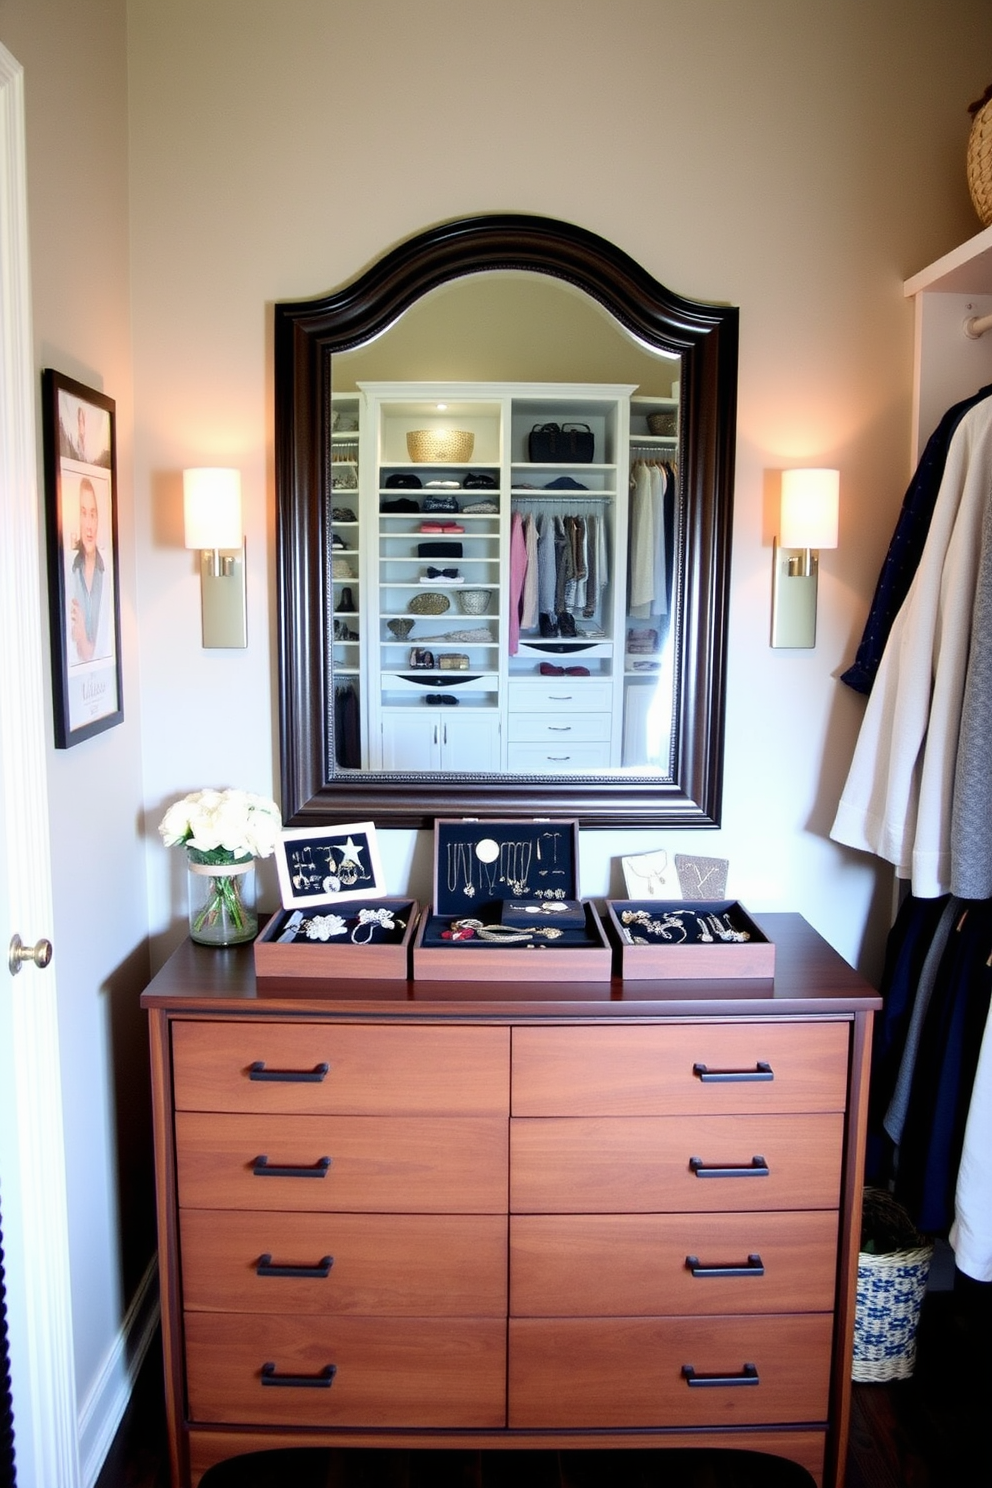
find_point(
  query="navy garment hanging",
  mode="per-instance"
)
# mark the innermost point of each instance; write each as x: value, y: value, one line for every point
x: 930, y: 1153
x: 905, y: 952
x: 908, y: 540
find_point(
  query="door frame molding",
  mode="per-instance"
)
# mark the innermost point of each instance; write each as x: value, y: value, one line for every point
x: 32, y: 1151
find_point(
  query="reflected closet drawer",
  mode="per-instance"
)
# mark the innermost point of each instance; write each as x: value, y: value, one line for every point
x: 540, y: 759
x: 629, y: 1372
x: 339, y: 1068
x: 604, y: 1265
x: 560, y: 695
x: 559, y: 728
x: 386, y: 1371
x: 392, y: 1165
x: 411, y: 1265
x: 694, y: 1067
x: 674, y: 1164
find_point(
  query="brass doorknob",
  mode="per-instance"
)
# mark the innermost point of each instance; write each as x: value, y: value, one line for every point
x: 40, y: 954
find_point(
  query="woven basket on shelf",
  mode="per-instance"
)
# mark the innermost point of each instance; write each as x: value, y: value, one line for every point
x: 429, y: 604
x: 439, y: 446
x: 890, y: 1292
x: 474, y: 601
x: 980, y: 156
x: 666, y: 423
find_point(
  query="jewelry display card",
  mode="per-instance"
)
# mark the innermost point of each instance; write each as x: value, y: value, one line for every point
x: 696, y: 938
x: 338, y: 938
x: 319, y: 865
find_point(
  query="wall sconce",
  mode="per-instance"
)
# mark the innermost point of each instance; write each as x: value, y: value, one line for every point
x: 212, y: 521
x: 810, y: 501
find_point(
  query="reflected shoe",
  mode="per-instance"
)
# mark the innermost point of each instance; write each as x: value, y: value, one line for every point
x: 548, y: 625
x: 548, y: 669
x: 577, y: 671
x: 566, y: 625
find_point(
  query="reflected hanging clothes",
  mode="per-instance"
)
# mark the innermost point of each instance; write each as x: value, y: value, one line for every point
x: 347, y: 733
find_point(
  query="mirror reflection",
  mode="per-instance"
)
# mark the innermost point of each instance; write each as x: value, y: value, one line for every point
x: 506, y: 535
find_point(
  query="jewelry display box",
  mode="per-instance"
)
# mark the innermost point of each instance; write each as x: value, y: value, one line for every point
x: 336, y: 918
x: 688, y: 939
x: 481, y: 866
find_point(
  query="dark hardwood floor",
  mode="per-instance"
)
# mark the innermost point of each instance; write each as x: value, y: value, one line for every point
x: 931, y: 1431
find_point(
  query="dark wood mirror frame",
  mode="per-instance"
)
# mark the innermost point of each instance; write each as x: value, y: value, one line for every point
x: 307, y: 335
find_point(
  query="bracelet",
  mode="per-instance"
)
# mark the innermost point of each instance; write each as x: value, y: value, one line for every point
x: 369, y: 918
x: 507, y: 935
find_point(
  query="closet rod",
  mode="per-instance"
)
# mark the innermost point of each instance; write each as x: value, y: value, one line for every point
x: 976, y: 326
x: 575, y: 497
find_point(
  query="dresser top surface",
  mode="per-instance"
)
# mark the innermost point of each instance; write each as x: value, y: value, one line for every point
x: 810, y: 979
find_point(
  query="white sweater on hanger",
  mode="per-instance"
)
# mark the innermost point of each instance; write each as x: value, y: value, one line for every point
x: 898, y: 796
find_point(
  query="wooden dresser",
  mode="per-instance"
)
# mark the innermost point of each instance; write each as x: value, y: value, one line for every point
x: 481, y: 1215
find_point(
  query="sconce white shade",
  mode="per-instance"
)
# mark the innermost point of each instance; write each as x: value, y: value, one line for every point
x: 212, y: 508
x: 810, y: 504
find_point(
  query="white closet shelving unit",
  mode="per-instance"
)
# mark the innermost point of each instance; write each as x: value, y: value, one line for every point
x: 508, y: 716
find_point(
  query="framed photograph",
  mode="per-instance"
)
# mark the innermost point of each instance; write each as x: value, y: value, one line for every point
x: 319, y: 865
x: 83, y: 574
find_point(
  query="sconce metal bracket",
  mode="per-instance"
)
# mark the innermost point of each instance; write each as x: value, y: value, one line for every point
x: 793, y: 598
x: 224, y: 599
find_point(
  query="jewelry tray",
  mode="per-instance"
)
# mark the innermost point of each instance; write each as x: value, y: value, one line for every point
x: 387, y: 957
x: 479, y: 865
x: 692, y: 958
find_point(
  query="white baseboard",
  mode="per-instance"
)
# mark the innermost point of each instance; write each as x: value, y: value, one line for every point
x: 103, y: 1409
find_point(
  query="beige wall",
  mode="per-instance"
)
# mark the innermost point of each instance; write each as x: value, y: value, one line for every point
x: 797, y: 160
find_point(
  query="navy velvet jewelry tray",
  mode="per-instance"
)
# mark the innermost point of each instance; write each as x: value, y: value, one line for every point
x: 698, y: 938
x: 384, y: 929
x: 479, y: 865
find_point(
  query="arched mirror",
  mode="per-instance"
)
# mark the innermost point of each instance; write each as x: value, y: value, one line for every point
x: 504, y: 483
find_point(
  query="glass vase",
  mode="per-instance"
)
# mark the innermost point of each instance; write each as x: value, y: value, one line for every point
x: 221, y: 903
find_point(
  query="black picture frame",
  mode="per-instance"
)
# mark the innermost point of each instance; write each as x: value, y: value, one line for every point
x: 80, y: 452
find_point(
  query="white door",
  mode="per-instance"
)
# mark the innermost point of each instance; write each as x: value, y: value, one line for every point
x: 32, y: 1167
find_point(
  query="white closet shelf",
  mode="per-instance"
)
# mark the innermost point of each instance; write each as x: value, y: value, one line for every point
x: 967, y: 269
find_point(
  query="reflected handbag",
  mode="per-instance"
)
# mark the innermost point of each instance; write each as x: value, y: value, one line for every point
x: 420, y: 659
x: 452, y: 661
x: 562, y: 442
x: 437, y: 503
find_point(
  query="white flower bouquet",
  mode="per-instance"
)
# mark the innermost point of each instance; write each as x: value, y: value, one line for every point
x: 223, y: 832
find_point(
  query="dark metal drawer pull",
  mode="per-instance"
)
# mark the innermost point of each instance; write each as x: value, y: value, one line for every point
x: 319, y: 1169
x: 321, y: 1381
x: 266, y: 1268
x: 257, y: 1071
x: 747, y: 1376
x: 757, y: 1168
x: 752, y: 1268
x: 761, y: 1071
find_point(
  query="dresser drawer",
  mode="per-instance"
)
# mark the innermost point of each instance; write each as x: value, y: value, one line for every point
x: 559, y: 728
x: 645, y: 1164
x: 388, y: 1371
x: 691, y: 1067
x: 552, y: 759
x: 628, y: 1372
x: 260, y: 1066
x: 410, y: 1265
x: 560, y: 695
x: 388, y: 1164
x: 605, y: 1265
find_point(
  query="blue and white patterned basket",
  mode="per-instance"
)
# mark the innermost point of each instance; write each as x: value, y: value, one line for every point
x: 889, y: 1297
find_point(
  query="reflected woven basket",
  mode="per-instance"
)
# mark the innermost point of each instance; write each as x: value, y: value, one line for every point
x: 980, y: 156
x: 439, y: 446
x: 429, y: 604
x: 474, y: 601
x: 890, y: 1292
